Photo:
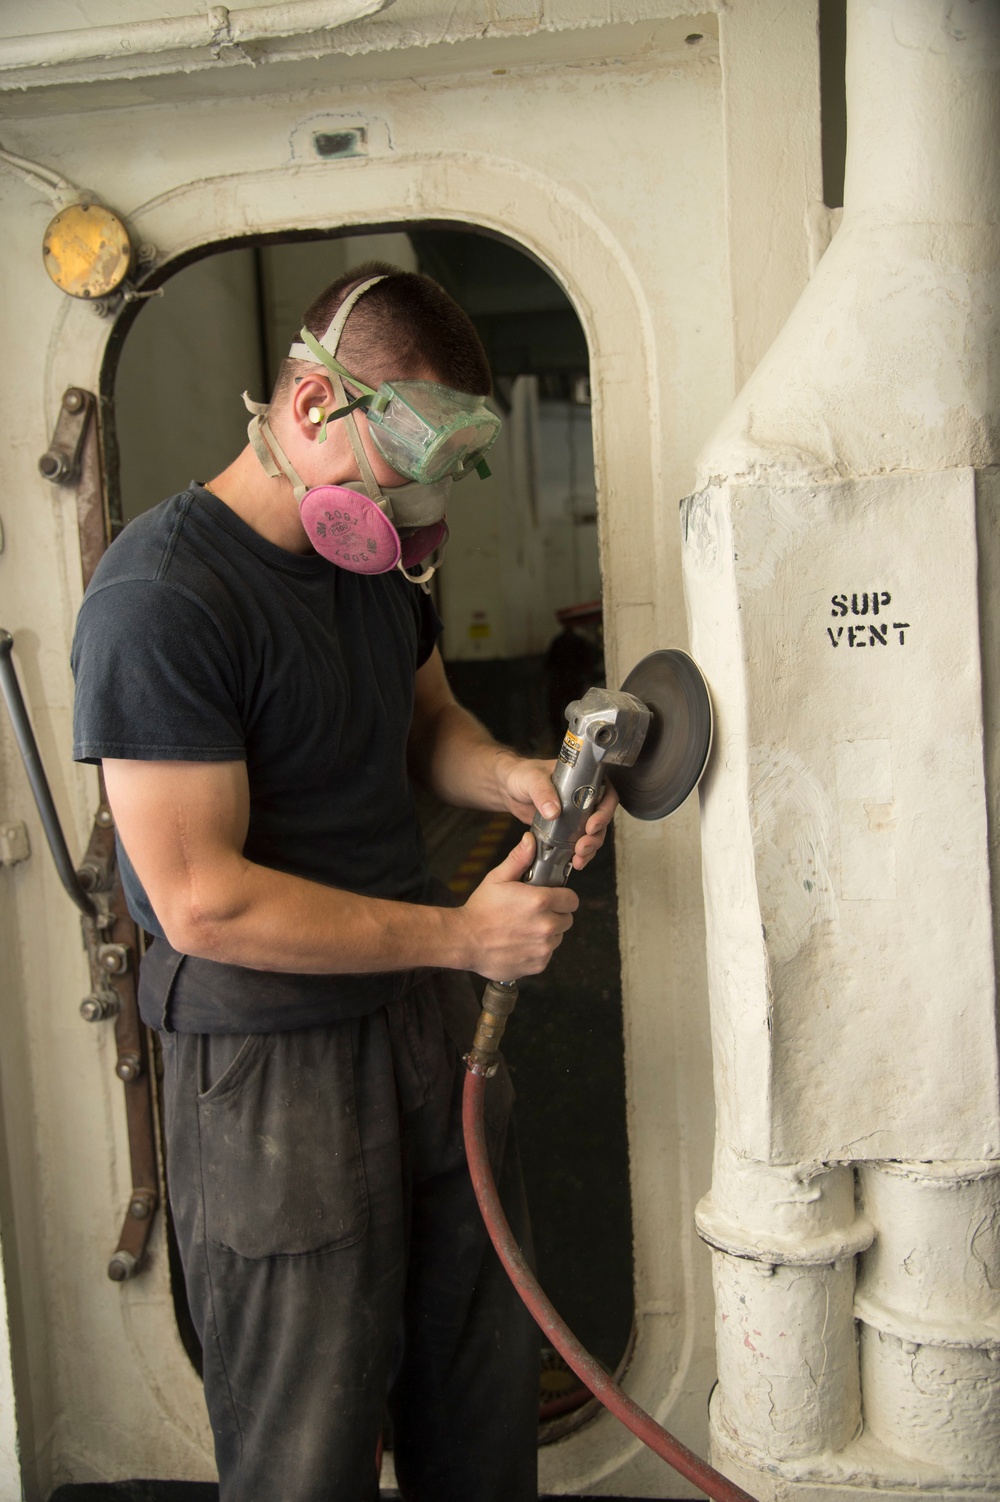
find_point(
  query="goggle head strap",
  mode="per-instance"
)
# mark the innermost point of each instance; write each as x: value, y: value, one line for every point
x: 372, y: 487
x: 359, y: 401
x: 312, y: 349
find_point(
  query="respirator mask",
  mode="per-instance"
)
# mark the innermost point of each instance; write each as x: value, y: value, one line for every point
x: 425, y: 431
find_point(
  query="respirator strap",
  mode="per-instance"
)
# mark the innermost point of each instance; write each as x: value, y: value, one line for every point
x: 331, y: 339
x: 325, y: 349
x: 429, y: 569
x: 259, y: 409
x: 273, y: 459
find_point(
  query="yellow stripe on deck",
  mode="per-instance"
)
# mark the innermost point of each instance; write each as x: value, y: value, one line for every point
x: 481, y: 857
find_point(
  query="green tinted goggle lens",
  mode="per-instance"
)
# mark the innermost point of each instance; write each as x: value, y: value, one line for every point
x: 429, y: 432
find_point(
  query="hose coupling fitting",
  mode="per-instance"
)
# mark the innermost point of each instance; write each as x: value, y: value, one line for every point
x: 499, y: 1000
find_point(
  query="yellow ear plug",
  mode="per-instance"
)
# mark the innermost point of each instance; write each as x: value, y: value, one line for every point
x: 316, y: 414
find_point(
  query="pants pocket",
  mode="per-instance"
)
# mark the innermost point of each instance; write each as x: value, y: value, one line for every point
x: 281, y: 1164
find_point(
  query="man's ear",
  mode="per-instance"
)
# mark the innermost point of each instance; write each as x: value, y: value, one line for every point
x: 311, y: 403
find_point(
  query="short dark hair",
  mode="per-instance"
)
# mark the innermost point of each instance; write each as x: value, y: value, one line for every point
x: 405, y: 324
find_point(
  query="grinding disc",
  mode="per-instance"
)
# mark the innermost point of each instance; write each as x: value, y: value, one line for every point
x: 678, y: 740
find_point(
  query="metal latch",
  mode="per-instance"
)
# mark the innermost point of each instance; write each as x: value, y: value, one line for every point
x: 61, y: 461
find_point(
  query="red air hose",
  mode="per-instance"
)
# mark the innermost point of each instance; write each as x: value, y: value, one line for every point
x: 559, y: 1335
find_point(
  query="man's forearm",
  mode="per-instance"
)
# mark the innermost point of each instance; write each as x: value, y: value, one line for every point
x: 269, y: 920
x: 458, y: 759
x: 243, y: 914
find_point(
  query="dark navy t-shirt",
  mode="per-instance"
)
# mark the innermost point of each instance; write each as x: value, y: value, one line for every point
x: 198, y: 640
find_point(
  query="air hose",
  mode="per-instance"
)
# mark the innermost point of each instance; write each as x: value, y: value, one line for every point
x: 482, y: 1060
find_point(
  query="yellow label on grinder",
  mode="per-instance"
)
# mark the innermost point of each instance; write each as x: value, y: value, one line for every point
x: 569, y: 751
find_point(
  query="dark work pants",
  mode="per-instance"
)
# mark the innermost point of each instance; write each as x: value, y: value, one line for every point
x: 336, y: 1262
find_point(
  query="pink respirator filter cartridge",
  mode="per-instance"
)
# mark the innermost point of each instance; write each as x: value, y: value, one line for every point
x: 349, y: 529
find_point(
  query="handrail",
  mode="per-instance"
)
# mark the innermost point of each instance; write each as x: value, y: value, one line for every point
x: 28, y: 746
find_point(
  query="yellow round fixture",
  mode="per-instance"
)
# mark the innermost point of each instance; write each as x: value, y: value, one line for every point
x: 87, y: 250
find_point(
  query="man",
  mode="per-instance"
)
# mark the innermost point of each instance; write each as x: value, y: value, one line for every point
x: 257, y: 671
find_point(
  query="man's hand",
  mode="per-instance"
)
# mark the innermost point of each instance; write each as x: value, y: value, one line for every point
x: 513, y: 929
x: 526, y: 785
x: 458, y: 759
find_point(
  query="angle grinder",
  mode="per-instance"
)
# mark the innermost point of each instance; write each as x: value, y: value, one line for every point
x: 650, y: 740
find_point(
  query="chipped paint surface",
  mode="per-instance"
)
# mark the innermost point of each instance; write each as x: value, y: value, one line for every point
x: 785, y: 1240
x: 929, y: 1305
x: 933, y: 1276
x: 848, y: 809
x: 788, y: 1368
x: 791, y: 819
x: 935, y: 1404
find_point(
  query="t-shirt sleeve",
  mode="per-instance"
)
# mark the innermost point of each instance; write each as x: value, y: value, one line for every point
x: 154, y: 681
x: 429, y: 627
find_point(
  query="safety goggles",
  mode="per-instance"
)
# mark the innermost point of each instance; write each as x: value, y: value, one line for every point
x: 423, y: 430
